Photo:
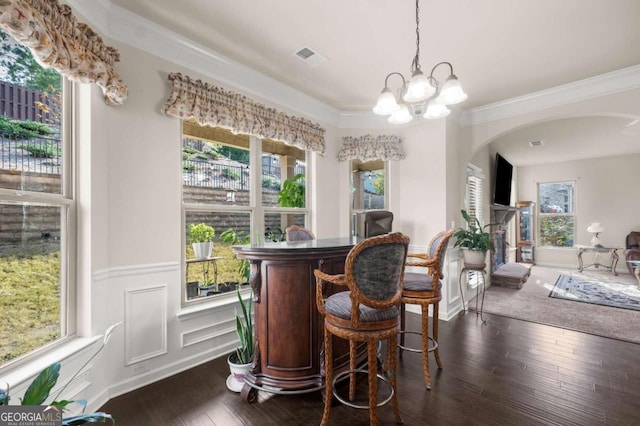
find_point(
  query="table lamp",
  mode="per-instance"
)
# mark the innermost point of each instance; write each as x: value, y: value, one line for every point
x: 595, y: 228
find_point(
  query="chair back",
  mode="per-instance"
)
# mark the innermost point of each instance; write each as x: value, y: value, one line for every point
x: 374, y: 270
x: 438, y: 250
x: 296, y: 233
x: 633, y: 240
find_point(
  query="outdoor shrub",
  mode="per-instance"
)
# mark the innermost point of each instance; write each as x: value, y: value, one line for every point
x: 15, y: 129
x: 230, y: 174
x: 188, y: 167
x: 43, y: 150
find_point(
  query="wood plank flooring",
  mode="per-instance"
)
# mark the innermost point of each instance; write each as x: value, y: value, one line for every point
x: 507, y: 372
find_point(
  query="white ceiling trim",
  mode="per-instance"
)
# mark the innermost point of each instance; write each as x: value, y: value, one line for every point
x: 604, y: 84
x: 136, y: 31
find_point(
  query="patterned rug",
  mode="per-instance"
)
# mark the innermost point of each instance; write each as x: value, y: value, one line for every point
x: 587, y: 290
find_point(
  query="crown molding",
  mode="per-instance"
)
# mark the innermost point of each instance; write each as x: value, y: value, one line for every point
x: 580, y: 90
x: 120, y: 24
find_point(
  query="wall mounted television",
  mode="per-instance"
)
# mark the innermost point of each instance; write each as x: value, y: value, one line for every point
x: 502, y: 183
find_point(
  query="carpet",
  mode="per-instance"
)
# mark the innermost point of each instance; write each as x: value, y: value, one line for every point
x: 588, y: 290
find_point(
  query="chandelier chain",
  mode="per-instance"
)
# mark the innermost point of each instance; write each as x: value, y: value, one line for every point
x: 416, y: 60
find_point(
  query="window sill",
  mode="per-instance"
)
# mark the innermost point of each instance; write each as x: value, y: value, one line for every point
x: 193, y: 311
x: 33, y: 367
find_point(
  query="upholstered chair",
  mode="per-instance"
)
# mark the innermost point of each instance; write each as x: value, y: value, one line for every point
x: 367, y: 312
x: 296, y: 233
x: 632, y: 251
x: 424, y: 289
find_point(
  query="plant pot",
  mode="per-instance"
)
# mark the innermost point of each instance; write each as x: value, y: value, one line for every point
x: 202, y: 250
x: 474, y: 258
x: 235, y: 381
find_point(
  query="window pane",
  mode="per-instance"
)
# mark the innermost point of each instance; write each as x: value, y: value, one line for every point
x: 30, y: 278
x: 275, y: 224
x: 556, y: 231
x: 221, y: 271
x: 367, y: 185
x: 556, y: 197
x: 283, y: 175
x: 31, y: 109
x: 214, y: 173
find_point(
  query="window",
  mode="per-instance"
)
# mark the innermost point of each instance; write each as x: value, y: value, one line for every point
x: 247, y: 189
x: 556, y: 218
x: 37, y: 207
x: 368, y: 186
x: 475, y: 178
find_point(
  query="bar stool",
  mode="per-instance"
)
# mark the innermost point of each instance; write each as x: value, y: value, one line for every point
x: 419, y: 289
x: 367, y: 312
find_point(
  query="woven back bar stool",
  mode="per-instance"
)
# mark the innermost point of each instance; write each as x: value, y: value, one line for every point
x: 424, y: 289
x: 296, y: 233
x: 367, y: 312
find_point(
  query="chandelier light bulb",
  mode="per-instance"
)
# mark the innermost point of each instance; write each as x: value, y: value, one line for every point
x: 436, y: 110
x: 419, y: 88
x: 401, y: 116
x: 386, y: 103
x: 451, y: 92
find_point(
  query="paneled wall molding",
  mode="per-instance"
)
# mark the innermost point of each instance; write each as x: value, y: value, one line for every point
x: 145, y: 334
x: 211, y: 332
x: 126, y: 271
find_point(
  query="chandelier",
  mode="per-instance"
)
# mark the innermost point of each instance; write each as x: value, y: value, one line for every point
x: 422, y: 96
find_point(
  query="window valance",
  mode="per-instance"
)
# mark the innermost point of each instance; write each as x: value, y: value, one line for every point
x: 367, y: 148
x: 57, y: 40
x: 214, y: 106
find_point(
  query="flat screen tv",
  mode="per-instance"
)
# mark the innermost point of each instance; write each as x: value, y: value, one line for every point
x: 502, y: 185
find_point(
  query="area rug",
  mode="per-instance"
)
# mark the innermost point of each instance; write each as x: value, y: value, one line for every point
x: 585, y: 289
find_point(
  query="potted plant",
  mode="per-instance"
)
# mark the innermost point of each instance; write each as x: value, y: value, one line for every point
x: 201, y: 239
x: 292, y: 192
x: 474, y: 240
x: 240, y: 360
x: 40, y: 388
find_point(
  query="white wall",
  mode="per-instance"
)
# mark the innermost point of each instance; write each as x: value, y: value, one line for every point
x: 605, y: 190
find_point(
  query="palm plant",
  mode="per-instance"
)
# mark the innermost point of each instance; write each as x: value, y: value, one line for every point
x: 474, y: 237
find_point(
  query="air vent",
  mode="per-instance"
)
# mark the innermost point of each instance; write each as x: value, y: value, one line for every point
x: 310, y: 56
x: 535, y: 143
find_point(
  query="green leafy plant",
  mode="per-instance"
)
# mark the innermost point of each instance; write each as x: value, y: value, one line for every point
x: 474, y: 237
x: 233, y: 237
x: 23, y: 129
x: 201, y: 233
x: 292, y: 192
x: 45, y: 150
x: 40, y: 388
x: 230, y: 174
x: 244, y: 328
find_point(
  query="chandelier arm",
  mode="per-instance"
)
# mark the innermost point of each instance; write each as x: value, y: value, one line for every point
x: 386, y: 80
x: 438, y: 64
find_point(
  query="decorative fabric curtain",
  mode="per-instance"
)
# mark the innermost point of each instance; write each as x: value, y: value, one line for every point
x: 367, y: 148
x: 214, y: 106
x: 57, y: 40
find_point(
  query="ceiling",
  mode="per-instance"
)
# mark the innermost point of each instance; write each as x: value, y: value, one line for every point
x: 500, y: 49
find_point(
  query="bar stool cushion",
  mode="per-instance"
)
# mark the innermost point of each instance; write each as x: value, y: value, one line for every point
x: 414, y: 281
x: 339, y: 305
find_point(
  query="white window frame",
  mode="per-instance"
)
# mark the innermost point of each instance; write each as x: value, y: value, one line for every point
x: 66, y: 201
x: 542, y: 216
x: 474, y: 205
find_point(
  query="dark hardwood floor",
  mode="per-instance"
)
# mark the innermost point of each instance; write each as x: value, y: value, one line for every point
x: 507, y: 372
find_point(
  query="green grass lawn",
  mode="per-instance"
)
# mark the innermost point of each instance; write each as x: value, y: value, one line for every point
x: 29, y: 302
x: 30, y: 296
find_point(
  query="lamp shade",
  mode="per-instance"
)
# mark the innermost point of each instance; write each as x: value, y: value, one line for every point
x: 419, y: 88
x: 436, y: 110
x: 401, y: 116
x: 595, y: 228
x: 386, y: 103
x: 451, y: 92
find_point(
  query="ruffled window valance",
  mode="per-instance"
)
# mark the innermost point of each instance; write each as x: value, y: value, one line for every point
x: 367, y: 148
x: 213, y: 106
x: 57, y: 40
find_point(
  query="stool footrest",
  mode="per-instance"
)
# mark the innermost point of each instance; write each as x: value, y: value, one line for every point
x: 345, y: 374
x: 405, y: 348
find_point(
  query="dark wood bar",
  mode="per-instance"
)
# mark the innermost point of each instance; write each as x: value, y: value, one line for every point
x: 288, y: 328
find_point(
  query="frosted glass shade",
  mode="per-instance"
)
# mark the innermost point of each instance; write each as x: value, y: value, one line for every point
x: 436, y: 110
x: 401, y: 116
x: 451, y: 92
x: 386, y: 103
x: 419, y: 88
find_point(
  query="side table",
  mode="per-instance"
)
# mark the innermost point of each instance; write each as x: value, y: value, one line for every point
x: 206, y: 263
x: 598, y: 249
x: 480, y: 268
